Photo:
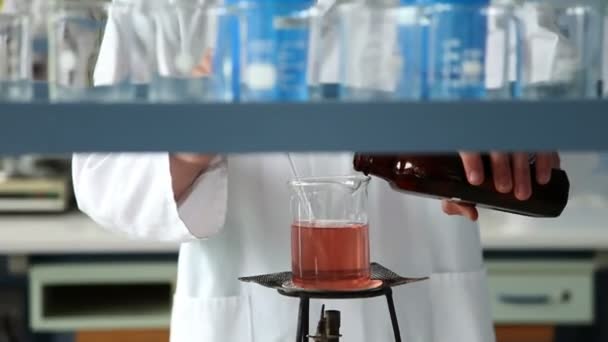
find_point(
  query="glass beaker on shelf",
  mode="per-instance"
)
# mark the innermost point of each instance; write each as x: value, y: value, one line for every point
x: 276, y: 50
x: 380, y: 52
x: 193, y: 53
x: 468, y: 51
x: 560, y: 50
x: 92, y: 50
x: 330, y: 233
x: 15, y: 57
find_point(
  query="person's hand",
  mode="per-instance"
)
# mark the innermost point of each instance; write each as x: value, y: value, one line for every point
x: 194, y: 159
x: 185, y: 168
x: 204, y: 67
x: 511, y: 173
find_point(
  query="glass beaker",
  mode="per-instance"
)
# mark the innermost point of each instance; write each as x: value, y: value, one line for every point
x: 15, y: 57
x: 560, y: 50
x: 92, y: 51
x: 194, y: 59
x: 468, y: 51
x: 324, y: 55
x: 330, y: 233
x: 380, y: 52
x: 276, y: 50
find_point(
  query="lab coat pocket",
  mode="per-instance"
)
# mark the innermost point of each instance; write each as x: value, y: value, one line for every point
x: 219, y: 319
x: 461, y: 307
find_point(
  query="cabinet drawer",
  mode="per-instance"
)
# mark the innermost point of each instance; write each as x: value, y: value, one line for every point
x: 101, y: 296
x: 542, y: 293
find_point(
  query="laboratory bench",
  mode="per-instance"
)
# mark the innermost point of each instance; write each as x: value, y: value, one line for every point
x: 76, y: 282
x: 74, y: 232
x: 68, y: 233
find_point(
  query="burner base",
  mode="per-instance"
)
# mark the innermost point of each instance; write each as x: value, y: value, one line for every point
x: 383, y: 281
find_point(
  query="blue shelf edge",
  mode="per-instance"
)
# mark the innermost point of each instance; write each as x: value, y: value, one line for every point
x: 322, y: 126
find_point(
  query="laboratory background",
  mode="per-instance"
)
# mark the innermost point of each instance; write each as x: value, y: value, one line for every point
x: 64, y: 278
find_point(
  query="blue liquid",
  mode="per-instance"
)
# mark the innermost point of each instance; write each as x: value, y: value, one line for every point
x: 229, y: 45
x: 457, y: 53
x: 412, y: 83
x: 413, y: 42
x: 292, y: 60
x: 462, y: 21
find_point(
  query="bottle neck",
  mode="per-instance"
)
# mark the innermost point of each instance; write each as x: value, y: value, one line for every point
x: 379, y: 165
x: 437, y: 166
x: 361, y: 163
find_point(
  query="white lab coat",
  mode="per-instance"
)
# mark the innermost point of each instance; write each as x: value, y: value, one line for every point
x: 236, y: 222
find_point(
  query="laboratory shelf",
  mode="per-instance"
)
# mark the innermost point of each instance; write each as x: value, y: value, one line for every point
x: 41, y: 127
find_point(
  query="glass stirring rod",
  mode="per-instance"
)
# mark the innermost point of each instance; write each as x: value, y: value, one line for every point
x: 301, y: 193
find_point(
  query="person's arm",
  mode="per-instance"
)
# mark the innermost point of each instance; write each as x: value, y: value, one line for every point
x: 187, y: 167
x: 185, y: 170
x: 133, y: 194
x: 162, y: 196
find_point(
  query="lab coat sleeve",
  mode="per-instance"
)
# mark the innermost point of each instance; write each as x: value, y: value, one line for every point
x: 133, y: 194
x: 458, y: 285
x: 454, y: 240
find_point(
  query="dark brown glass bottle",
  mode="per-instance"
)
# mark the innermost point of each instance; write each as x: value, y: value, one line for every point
x: 443, y: 176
